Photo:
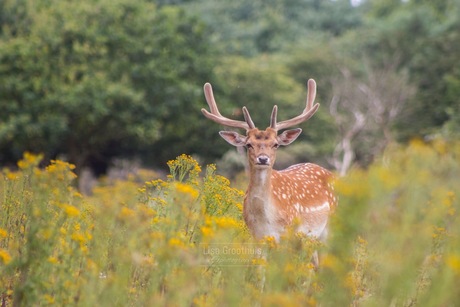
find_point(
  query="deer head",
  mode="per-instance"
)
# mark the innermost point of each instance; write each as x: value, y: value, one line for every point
x: 261, y: 144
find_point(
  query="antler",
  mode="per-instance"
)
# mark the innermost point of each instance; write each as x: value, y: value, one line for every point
x: 308, y: 112
x: 215, y: 115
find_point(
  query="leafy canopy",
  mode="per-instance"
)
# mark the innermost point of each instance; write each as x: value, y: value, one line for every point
x: 89, y: 79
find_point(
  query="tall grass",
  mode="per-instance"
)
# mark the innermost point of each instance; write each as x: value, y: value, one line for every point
x: 182, y: 242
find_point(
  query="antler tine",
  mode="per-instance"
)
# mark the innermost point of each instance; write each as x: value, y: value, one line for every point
x: 307, y: 113
x: 311, y: 94
x: 248, y: 118
x: 215, y: 115
x: 273, y: 117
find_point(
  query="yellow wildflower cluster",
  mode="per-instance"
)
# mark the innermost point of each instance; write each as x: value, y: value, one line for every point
x: 401, y: 210
x: 29, y: 160
x: 184, y: 166
x: 61, y: 170
x: 186, y: 189
x: 3, y: 233
x: 4, y: 256
x: 71, y: 211
x: 9, y: 175
x: 182, y: 241
x: 453, y: 262
x: 218, y: 225
x: 226, y: 222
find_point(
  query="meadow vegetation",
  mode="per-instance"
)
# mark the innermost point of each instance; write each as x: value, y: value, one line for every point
x: 394, y: 239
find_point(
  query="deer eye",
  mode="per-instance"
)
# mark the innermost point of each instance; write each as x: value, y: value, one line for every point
x: 276, y: 145
x: 248, y: 146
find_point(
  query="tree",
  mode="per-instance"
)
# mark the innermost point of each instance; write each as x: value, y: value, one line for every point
x: 435, y: 71
x: 365, y: 108
x: 364, y: 99
x: 423, y: 36
x: 396, y: 78
x: 95, y: 79
x: 249, y: 28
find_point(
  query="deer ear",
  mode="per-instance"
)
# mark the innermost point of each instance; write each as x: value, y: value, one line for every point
x: 233, y: 138
x: 289, y: 136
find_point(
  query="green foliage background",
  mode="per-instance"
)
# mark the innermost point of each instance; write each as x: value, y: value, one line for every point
x: 92, y: 80
x: 96, y: 79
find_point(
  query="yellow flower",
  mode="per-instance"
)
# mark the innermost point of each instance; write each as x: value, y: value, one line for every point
x: 5, y: 256
x: 355, y: 184
x: 147, y: 212
x: 226, y: 222
x: 71, y: 211
x: 289, y: 268
x: 91, y: 265
x: 68, y: 284
x: 157, y: 235
x: 175, y: 242
x: 270, y: 241
x: 156, y: 183
x: 330, y: 261
x: 240, y: 207
x: 62, y: 170
x: 259, y: 261
x: 3, y: 233
x: 58, y: 164
x: 46, y: 233
x: 126, y: 213
x: 438, y: 232
x: 201, y: 300
x: 78, y: 237
x: 11, y: 175
x: 49, y: 298
x: 182, y: 166
x: 206, y: 231
x: 84, y: 249
x: 186, y: 189
x: 29, y: 160
x: 362, y: 241
x: 142, y: 190
x: 453, y: 262
x: 77, y: 194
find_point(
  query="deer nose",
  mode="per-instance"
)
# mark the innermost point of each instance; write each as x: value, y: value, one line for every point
x: 263, y: 160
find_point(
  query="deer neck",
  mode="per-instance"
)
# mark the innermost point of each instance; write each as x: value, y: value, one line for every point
x: 260, y: 183
x: 259, y: 210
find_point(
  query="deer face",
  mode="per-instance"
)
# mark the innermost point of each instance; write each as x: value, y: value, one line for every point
x: 261, y: 145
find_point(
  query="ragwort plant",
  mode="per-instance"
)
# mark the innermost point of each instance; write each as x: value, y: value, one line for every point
x: 181, y: 241
x: 45, y: 228
x: 193, y: 213
x: 395, y: 236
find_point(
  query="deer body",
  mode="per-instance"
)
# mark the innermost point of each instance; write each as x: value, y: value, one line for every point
x: 304, y: 194
x: 275, y: 199
x: 301, y: 194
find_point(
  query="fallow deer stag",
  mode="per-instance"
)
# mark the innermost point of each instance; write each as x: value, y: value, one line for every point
x: 275, y: 199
